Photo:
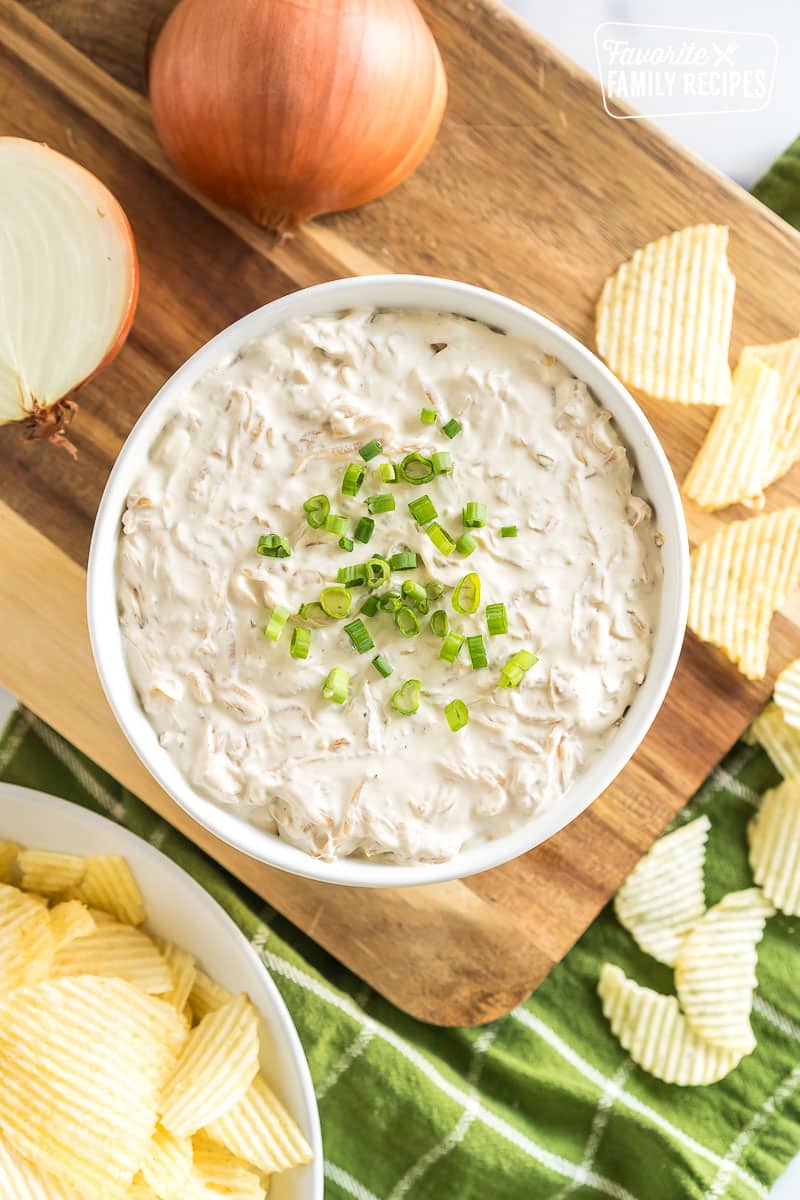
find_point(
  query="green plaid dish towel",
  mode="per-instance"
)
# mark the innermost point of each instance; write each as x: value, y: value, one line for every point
x: 543, y: 1103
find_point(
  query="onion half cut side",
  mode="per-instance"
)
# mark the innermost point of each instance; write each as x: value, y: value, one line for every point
x: 69, y: 281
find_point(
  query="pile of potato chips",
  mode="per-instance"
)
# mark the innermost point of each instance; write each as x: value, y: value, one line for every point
x: 127, y: 1073
x: 664, y: 322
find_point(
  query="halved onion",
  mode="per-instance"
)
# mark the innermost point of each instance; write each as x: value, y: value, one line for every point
x: 69, y: 280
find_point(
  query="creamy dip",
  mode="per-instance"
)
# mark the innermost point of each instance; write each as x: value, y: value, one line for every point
x: 278, y: 423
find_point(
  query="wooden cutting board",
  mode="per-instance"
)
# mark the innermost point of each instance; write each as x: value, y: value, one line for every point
x: 531, y: 190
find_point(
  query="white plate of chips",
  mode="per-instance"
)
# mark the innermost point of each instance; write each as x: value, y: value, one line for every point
x: 180, y: 912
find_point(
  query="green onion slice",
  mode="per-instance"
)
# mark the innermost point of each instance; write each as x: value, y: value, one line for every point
x: 370, y: 606
x: 371, y: 450
x: 300, y: 643
x: 508, y: 531
x: 474, y: 515
x: 416, y: 468
x: 359, y: 636
x: 496, y: 619
x: 516, y: 668
x: 312, y: 615
x: 346, y: 543
x: 442, y: 462
x: 467, y: 594
x: 353, y: 478
x: 434, y: 588
x: 378, y: 571
x: 273, y: 545
x: 404, y: 560
x: 422, y: 606
x: 466, y: 545
x: 336, y: 687
x: 413, y: 590
x: 335, y: 523
x: 477, y: 652
x: 406, y: 699
x: 441, y: 539
x: 451, y: 646
x: 363, y: 530
x: 451, y: 427
x: 277, y: 619
x: 457, y: 714
x: 427, y: 416
x: 390, y: 601
x: 388, y: 472
x: 317, y: 509
x: 336, y: 601
x: 440, y: 625
x: 407, y: 621
x: 355, y: 576
x: 382, y: 665
x: 381, y: 503
x: 422, y: 510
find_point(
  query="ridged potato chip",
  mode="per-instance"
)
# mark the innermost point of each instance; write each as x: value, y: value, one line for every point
x: 26, y: 940
x: 207, y: 996
x: 116, y: 951
x: 82, y: 1061
x: 141, y: 1190
x: 663, y: 896
x: 664, y: 317
x: 21, y: 1180
x: 715, y: 975
x: 657, y: 1035
x: 780, y: 740
x: 783, y: 357
x: 787, y: 693
x: 167, y: 1166
x: 740, y: 576
x: 182, y: 965
x: 215, y: 1069
x: 109, y: 885
x: 260, y: 1131
x: 733, y: 463
x: 774, y: 839
x: 222, y: 1174
x: 49, y: 873
x: 8, y: 860
x: 70, y: 920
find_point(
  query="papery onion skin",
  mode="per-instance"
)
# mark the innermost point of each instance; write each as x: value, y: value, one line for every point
x: 287, y: 109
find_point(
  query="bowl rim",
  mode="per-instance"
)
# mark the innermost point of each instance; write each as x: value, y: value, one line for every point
x: 388, y: 291
x: 136, y: 849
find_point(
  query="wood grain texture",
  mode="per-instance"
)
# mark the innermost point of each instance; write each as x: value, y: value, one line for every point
x: 532, y: 190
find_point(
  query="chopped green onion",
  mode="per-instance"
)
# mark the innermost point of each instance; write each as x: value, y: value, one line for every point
x: 451, y: 427
x: 336, y: 601
x: 353, y: 478
x: 406, y: 699
x: 404, y: 560
x: 434, y: 588
x: 335, y: 523
x: 278, y: 618
x: 313, y: 615
x: 414, y: 591
x: 441, y: 538
x: 496, y: 619
x: 515, y: 669
x: 371, y: 450
x: 336, y: 687
x: 273, y: 545
x: 508, y: 531
x: 451, y: 646
x: 346, y: 543
x: 382, y: 665
x: 442, y: 462
x: 407, y: 621
x: 390, y: 601
x: 427, y: 416
x: 457, y: 714
x: 300, y: 643
x: 355, y: 576
x: 474, y: 515
x: 370, y: 606
x: 359, y: 636
x: 467, y: 594
x: 416, y: 468
x: 477, y: 651
x: 378, y: 572
x: 422, y: 606
x: 440, y: 625
x: 422, y: 510
x: 466, y: 545
x: 388, y: 472
x: 363, y: 530
x: 380, y: 504
x: 317, y: 509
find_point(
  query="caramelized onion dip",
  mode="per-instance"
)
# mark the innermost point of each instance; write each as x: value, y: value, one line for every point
x: 278, y: 424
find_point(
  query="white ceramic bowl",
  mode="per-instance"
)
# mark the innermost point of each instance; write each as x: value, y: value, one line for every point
x: 412, y: 291
x: 181, y: 911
